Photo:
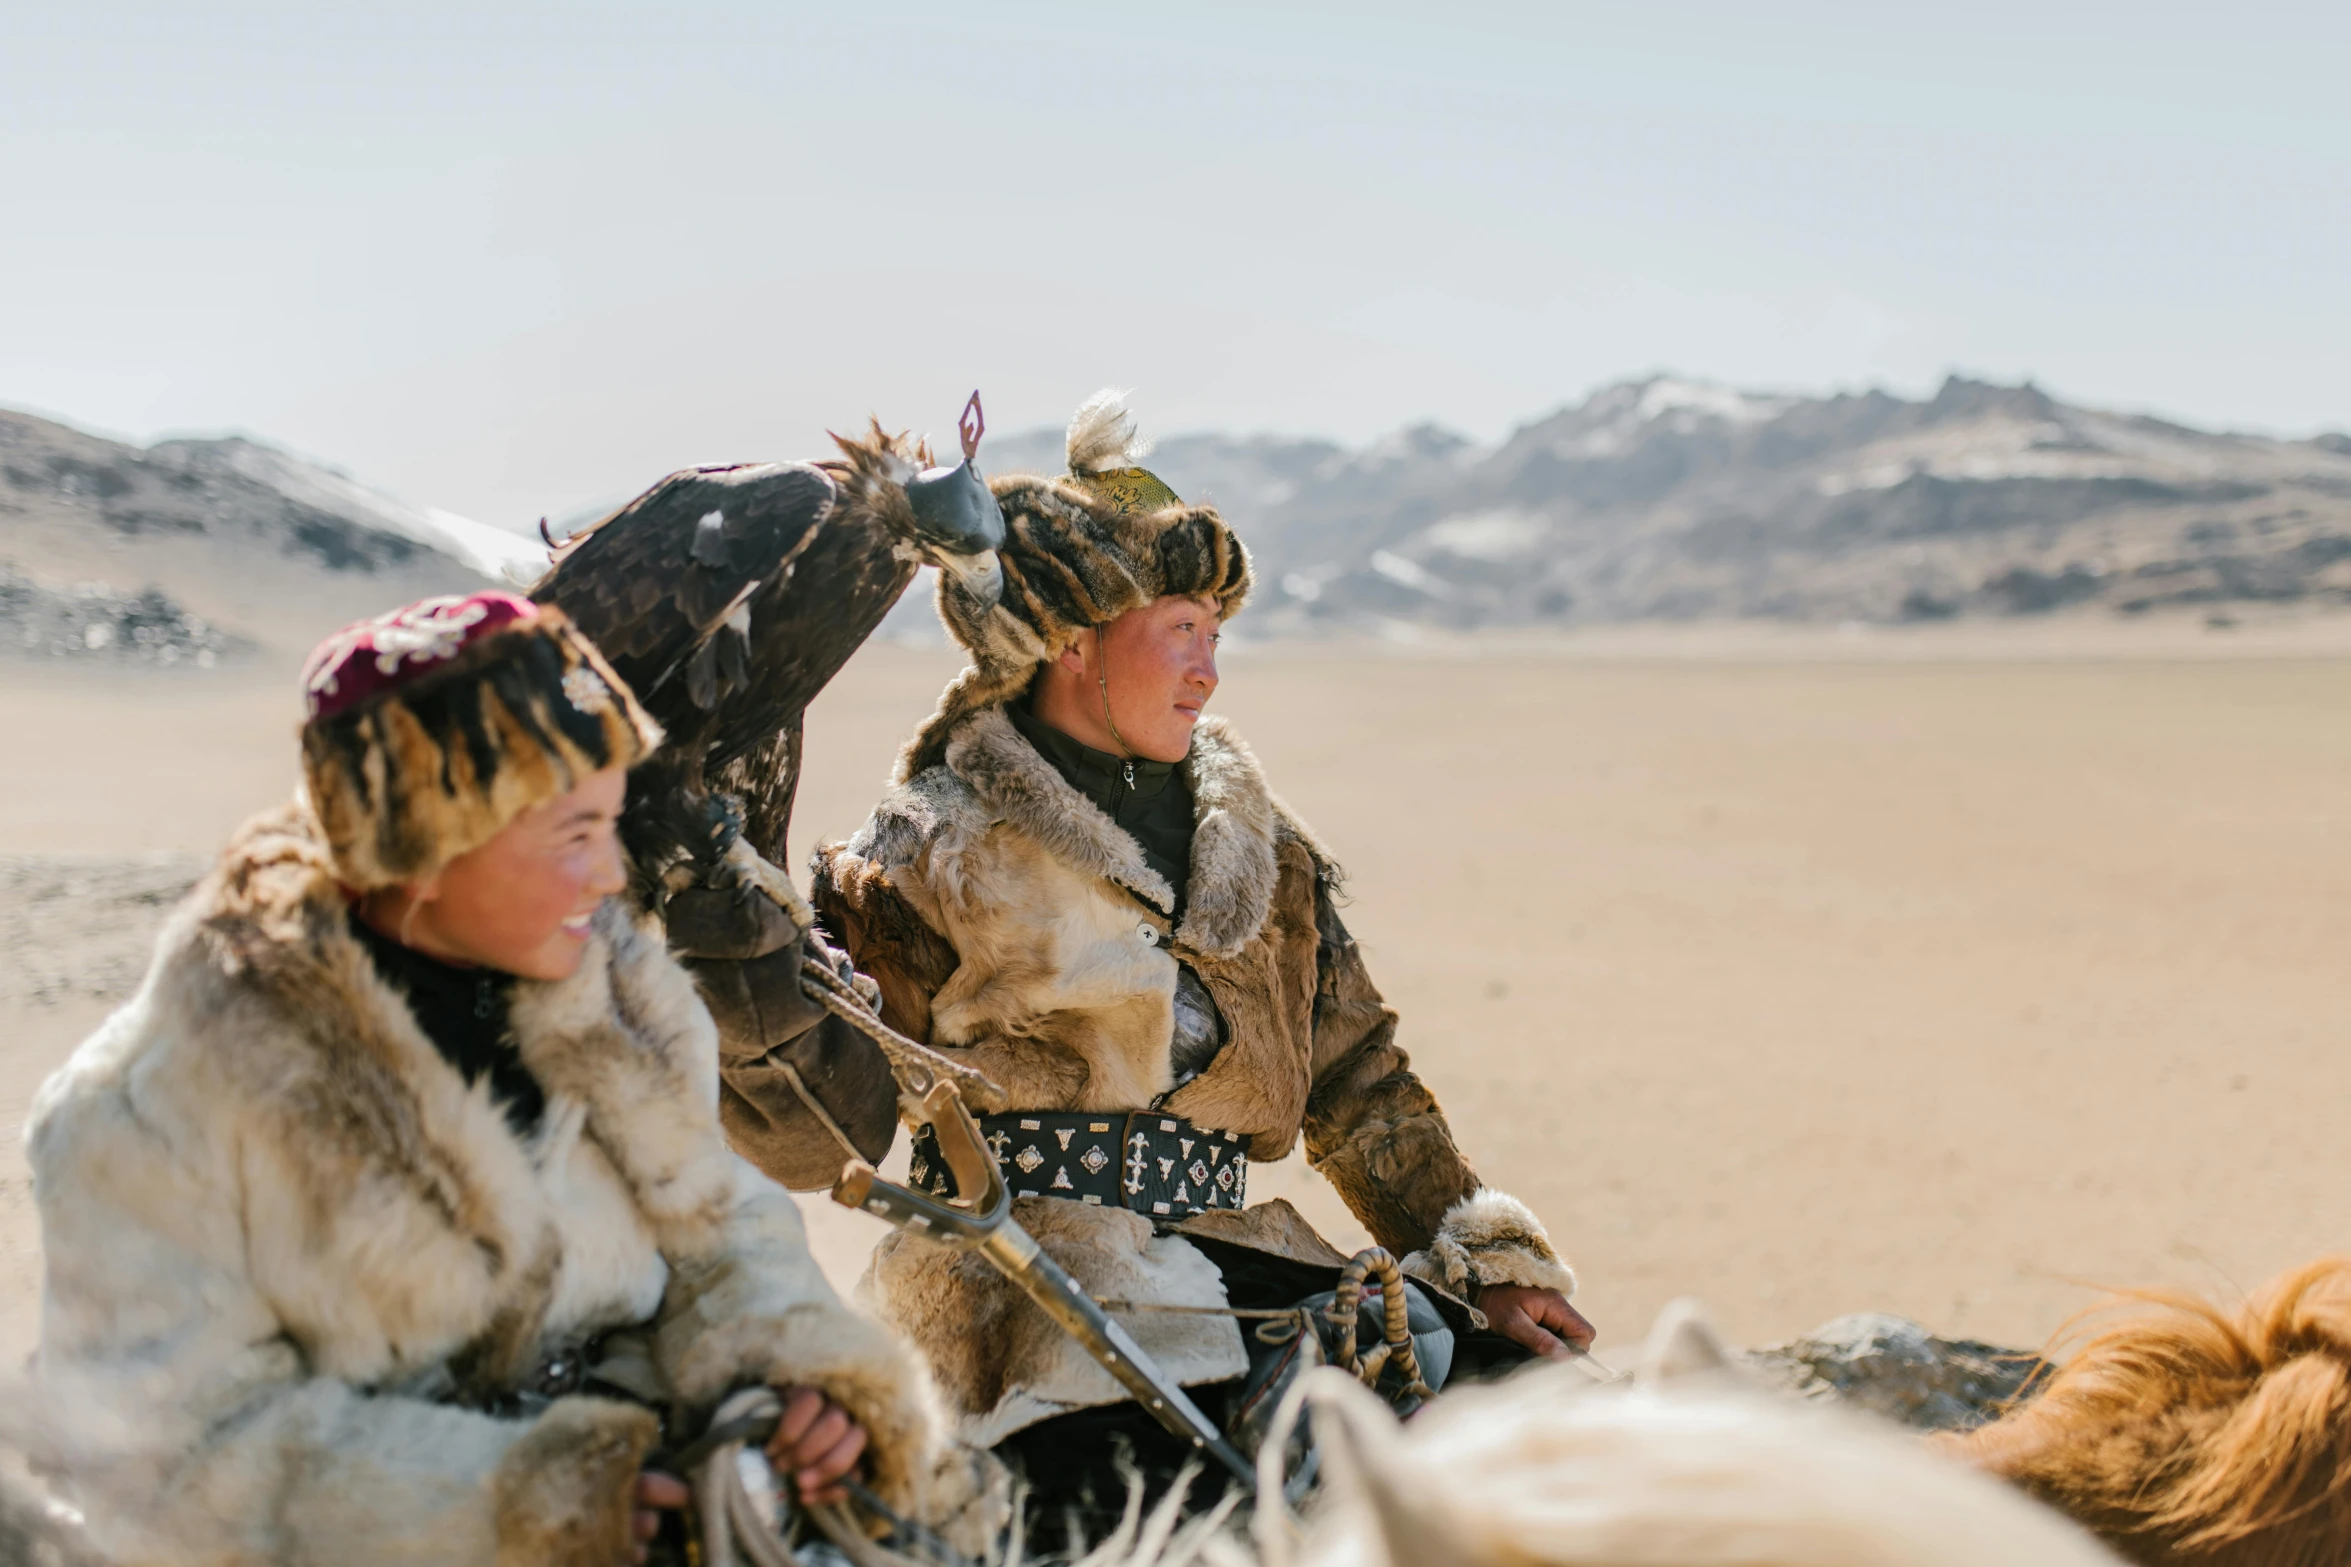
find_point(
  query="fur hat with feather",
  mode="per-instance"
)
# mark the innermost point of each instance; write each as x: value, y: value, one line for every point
x: 1080, y: 550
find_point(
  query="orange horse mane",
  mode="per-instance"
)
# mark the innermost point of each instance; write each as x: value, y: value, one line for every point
x: 2185, y: 1434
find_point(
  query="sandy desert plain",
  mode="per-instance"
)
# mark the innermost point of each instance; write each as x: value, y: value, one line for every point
x: 1953, y: 973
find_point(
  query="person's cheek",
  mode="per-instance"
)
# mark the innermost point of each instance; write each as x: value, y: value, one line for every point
x: 579, y: 871
x: 597, y: 873
x: 552, y: 898
x: 608, y: 871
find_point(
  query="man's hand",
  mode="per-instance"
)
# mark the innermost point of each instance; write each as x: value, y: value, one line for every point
x: 816, y: 1445
x: 657, y: 1493
x: 1539, y: 1320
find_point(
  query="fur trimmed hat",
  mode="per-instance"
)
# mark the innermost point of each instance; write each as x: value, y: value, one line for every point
x: 432, y: 727
x: 1080, y: 550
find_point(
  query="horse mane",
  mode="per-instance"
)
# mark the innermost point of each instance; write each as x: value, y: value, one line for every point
x: 2187, y: 1434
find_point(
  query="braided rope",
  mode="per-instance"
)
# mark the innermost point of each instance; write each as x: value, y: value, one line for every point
x: 917, y: 1067
x: 1396, y: 1310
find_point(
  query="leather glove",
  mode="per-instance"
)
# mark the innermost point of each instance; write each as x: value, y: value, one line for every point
x: 745, y: 956
x: 725, y: 922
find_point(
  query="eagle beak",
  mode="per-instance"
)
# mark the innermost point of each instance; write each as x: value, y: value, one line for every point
x: 981, y: 576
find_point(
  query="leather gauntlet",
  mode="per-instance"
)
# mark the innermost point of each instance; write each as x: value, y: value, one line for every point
x: 745, y: 955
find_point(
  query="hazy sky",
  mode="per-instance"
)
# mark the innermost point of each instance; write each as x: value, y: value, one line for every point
x: 512, y: 258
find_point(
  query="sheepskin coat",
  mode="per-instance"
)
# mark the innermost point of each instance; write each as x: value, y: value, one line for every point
x: 291, y: 1256
x: 1007, y: 919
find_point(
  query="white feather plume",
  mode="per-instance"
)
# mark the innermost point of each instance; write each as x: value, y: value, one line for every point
x: 1102, y: 434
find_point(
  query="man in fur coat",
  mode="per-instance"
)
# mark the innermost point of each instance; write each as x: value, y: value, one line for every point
x: 377, y: 1220
x: 1084, y: 888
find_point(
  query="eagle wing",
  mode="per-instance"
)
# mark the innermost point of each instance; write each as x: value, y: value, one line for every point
x: 805, y: 625
x: 668, y: 588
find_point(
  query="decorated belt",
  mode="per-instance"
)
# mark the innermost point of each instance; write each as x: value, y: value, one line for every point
x: 1159, y: 1165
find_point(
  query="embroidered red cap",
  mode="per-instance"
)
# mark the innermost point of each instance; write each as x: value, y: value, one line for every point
x: 361, y: 662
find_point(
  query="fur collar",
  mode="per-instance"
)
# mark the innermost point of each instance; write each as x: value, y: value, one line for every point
x: 619, y: 1046
x: 1234, y: 821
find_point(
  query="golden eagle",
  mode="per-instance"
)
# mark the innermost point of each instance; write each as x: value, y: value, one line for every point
x: 728, y: 597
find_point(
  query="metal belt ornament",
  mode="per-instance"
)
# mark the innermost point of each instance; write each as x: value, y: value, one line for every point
x: 1161, y: 1166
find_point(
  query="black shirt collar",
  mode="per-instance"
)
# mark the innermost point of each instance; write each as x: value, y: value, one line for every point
x: 463, y: 1012
x: 1097, y: 775
x: 1152, y: 802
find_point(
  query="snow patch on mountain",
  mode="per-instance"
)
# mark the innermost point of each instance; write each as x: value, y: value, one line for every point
x: 1668, y: 394
x: 1485, y: 535
x: 504, y: 557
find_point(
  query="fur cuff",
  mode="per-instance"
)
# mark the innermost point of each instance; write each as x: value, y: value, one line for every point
x: 1490, y: 1237
x: 967, y: 1500
x: 565, y: 1492
x: 853, y: 1361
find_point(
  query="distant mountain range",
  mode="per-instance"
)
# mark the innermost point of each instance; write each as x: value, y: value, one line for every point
x: 1667, y: 499
x: 1656, y: 499
x: 115, y: 552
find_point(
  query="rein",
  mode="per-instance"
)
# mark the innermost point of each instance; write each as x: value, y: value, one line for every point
x: 740, y: 1502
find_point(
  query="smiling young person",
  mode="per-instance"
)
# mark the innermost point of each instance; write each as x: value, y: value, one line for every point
x: 1083, y: 886
x: 408, y: 1147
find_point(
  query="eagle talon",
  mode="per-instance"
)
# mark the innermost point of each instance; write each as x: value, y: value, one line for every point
x: 749, y: 868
